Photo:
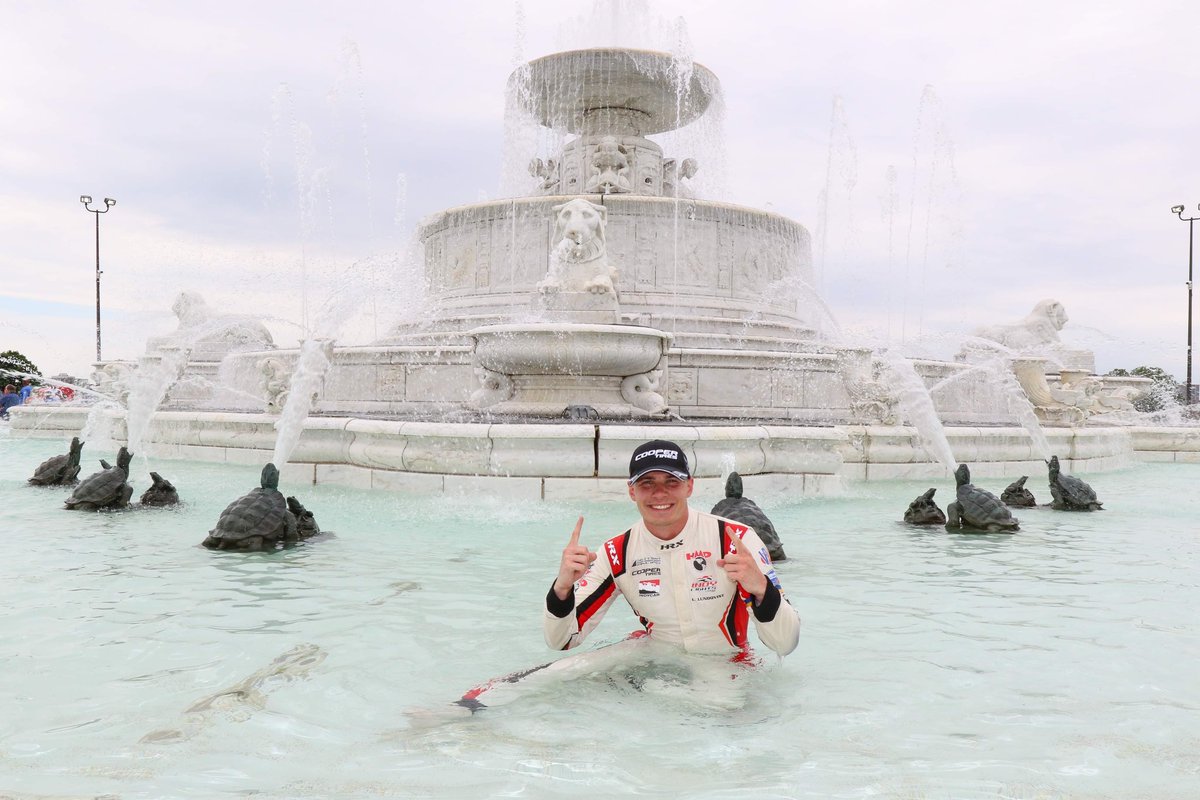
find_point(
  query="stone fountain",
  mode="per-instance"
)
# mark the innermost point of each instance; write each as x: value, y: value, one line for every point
x: 608, y: 302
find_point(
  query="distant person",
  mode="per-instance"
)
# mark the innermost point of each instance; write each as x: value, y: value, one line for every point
x: 692, y: 579
x: 9, y: 399
x: 26, y: 391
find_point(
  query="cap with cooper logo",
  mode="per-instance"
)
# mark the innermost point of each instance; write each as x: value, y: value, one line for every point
x: 659, y: 456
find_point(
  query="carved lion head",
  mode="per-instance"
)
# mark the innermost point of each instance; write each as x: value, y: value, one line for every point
x: 191, y: 309
x: 580, y: 221
x: 1053, y: 311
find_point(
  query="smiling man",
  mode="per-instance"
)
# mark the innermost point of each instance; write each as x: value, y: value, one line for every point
x: 692, y: 579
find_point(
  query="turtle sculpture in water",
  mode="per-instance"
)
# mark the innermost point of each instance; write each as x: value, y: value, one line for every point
x: 161, y: 493
x: 977, y: 509
x: 262, y: 519
x: 60, y: 470
x: 1070, y: 493
x: 108, y: 488
x: 746, y: 511
x: 1016, y: 495
x: 923, y: 511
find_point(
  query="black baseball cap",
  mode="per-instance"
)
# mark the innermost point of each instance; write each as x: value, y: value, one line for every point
x: 659, y: 456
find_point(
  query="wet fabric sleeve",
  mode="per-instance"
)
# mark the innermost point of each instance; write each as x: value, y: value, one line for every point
x: 777, y: 623
x: 566, y: 623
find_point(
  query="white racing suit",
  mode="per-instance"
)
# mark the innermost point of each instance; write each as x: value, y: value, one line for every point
x: 677, y: 591
x: 681, y: 597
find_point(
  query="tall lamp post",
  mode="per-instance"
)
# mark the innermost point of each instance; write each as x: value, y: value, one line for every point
x: 1178, y: 210
x: 109, y: 203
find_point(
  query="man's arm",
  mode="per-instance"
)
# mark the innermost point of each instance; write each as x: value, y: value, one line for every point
x: 568, y: 620
x: 777, y: 623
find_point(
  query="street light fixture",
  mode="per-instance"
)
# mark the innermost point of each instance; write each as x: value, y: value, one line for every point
x: 108, y: 203
x: 1178, y: 211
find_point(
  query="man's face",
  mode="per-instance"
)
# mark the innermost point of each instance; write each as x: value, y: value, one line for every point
x: 662, y: 500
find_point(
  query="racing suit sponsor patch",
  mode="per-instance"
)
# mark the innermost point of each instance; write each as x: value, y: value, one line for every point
x: 648, y: 587
x: 613, y: 555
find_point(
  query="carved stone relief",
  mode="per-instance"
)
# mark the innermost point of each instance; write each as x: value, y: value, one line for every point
x: 609, y: 168
x: 681, y: 387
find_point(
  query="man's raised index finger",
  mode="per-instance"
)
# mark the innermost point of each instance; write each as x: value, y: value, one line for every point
x: 575, y: 533
x: 740, y: 546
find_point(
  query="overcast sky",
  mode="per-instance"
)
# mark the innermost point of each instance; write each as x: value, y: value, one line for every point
x: 955, y: 162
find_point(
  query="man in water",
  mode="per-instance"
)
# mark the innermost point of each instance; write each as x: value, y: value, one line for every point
x: 692, y: 579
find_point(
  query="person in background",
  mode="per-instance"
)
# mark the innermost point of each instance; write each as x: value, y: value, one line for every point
x: 26, y: 390
x: 9, y: 399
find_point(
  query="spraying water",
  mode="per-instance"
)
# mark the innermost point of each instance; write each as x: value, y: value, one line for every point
x: 316, y: 355
x: 917, y: 407
x: 836, y: 198
x: 1000, y: 375
x: 933, y: 227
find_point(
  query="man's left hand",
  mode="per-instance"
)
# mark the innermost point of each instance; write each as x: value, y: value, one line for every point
x: 742, y: 566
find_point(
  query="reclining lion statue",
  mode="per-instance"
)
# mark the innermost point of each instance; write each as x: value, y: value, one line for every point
x: 1039, y: 328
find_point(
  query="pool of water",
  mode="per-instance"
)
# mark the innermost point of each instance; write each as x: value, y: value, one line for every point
x: 1059, y: 662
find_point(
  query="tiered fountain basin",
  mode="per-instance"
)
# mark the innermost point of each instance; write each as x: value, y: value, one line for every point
x: 779, y: 381
x: 694, y: 268
x: 575, y: 460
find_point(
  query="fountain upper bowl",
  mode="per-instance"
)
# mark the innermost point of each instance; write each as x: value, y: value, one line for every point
x: 616, y: 91
x: 569, y: 348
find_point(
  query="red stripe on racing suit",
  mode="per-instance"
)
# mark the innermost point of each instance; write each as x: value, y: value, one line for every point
x: 736, y: 621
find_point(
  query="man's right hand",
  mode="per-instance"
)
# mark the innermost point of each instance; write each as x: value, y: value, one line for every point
x: 575, y: 561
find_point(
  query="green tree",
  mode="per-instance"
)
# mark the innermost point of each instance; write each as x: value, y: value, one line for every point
x: 14, y: 366
x: 1164, y: 392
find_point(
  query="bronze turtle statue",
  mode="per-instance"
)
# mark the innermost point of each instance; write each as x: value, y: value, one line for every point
x: 1070, y: 493
x: 976, y: 509
x: 161, y: 493
x: 1015, y: 495
x: 108, y: 488
x: 258, y: 520
x: 746, y: 511
x: 923, y: 511
x: 59, y: 470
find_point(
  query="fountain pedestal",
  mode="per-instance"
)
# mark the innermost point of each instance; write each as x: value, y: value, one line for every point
x: 589, y: 308
x: 539, y: 369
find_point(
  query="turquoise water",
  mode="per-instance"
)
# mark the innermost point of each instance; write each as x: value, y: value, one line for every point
x: 1059, y: 662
